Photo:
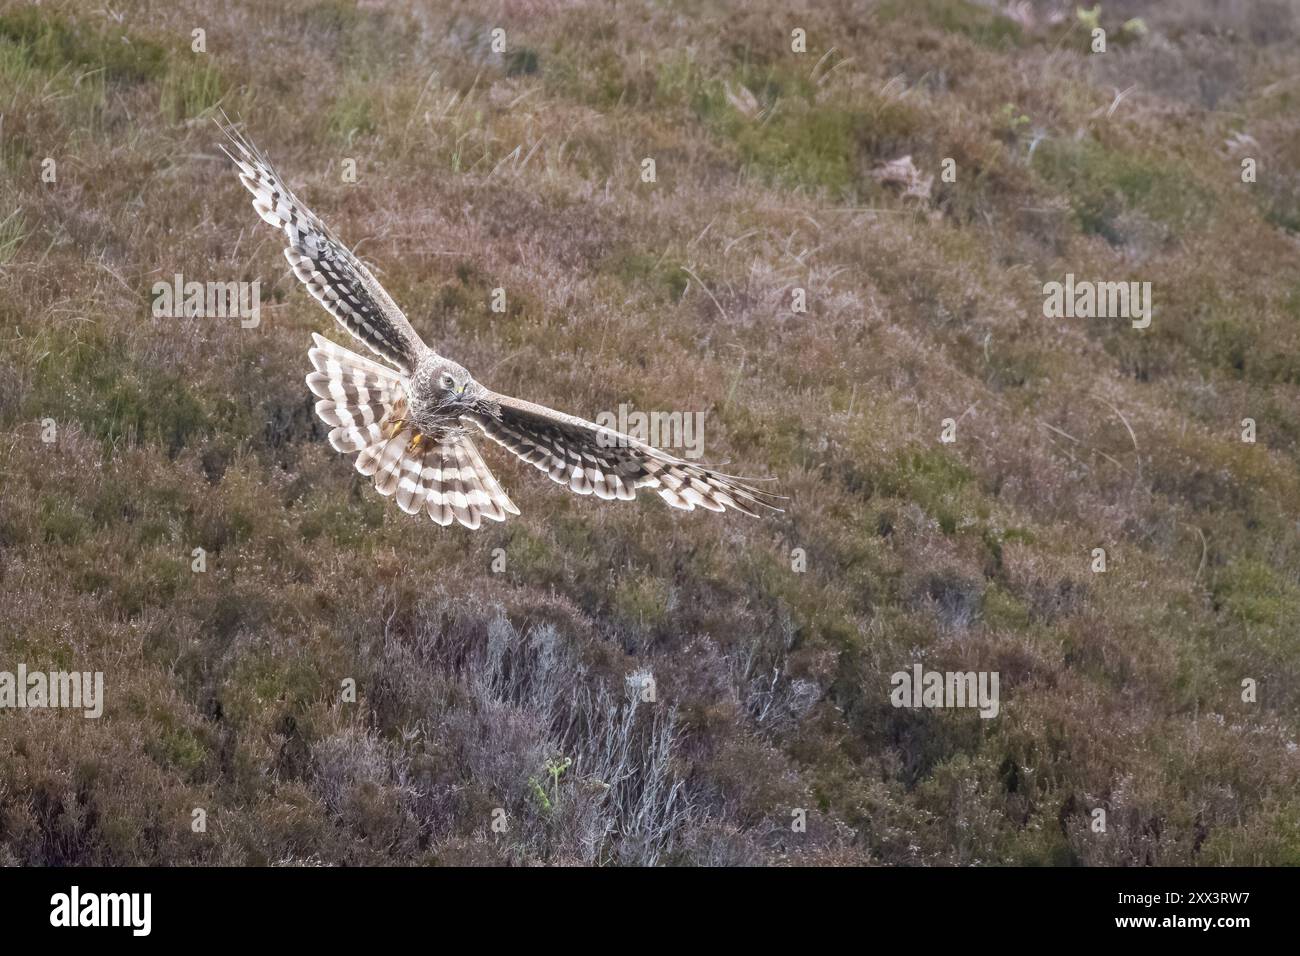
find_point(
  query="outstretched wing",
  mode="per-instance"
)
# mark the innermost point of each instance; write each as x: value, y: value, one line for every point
x: 592, y: 459
x: 332, y: 274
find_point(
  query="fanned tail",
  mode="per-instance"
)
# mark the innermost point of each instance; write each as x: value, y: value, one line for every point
x: 453, y: 483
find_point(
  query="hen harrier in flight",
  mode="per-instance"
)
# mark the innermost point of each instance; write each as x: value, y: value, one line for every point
x: 409, y: 422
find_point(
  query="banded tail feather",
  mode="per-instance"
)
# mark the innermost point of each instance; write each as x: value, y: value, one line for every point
x: 454, y: 484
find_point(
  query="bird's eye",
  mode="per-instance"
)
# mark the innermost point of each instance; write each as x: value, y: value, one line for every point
x: 447, y: 381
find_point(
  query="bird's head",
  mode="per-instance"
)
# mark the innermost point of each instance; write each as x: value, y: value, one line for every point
x: 456, y: 389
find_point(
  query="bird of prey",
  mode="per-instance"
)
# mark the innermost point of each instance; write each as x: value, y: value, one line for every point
x: 409, y: 422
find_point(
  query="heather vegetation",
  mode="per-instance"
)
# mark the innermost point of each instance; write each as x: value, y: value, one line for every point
x: 516, y: 692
